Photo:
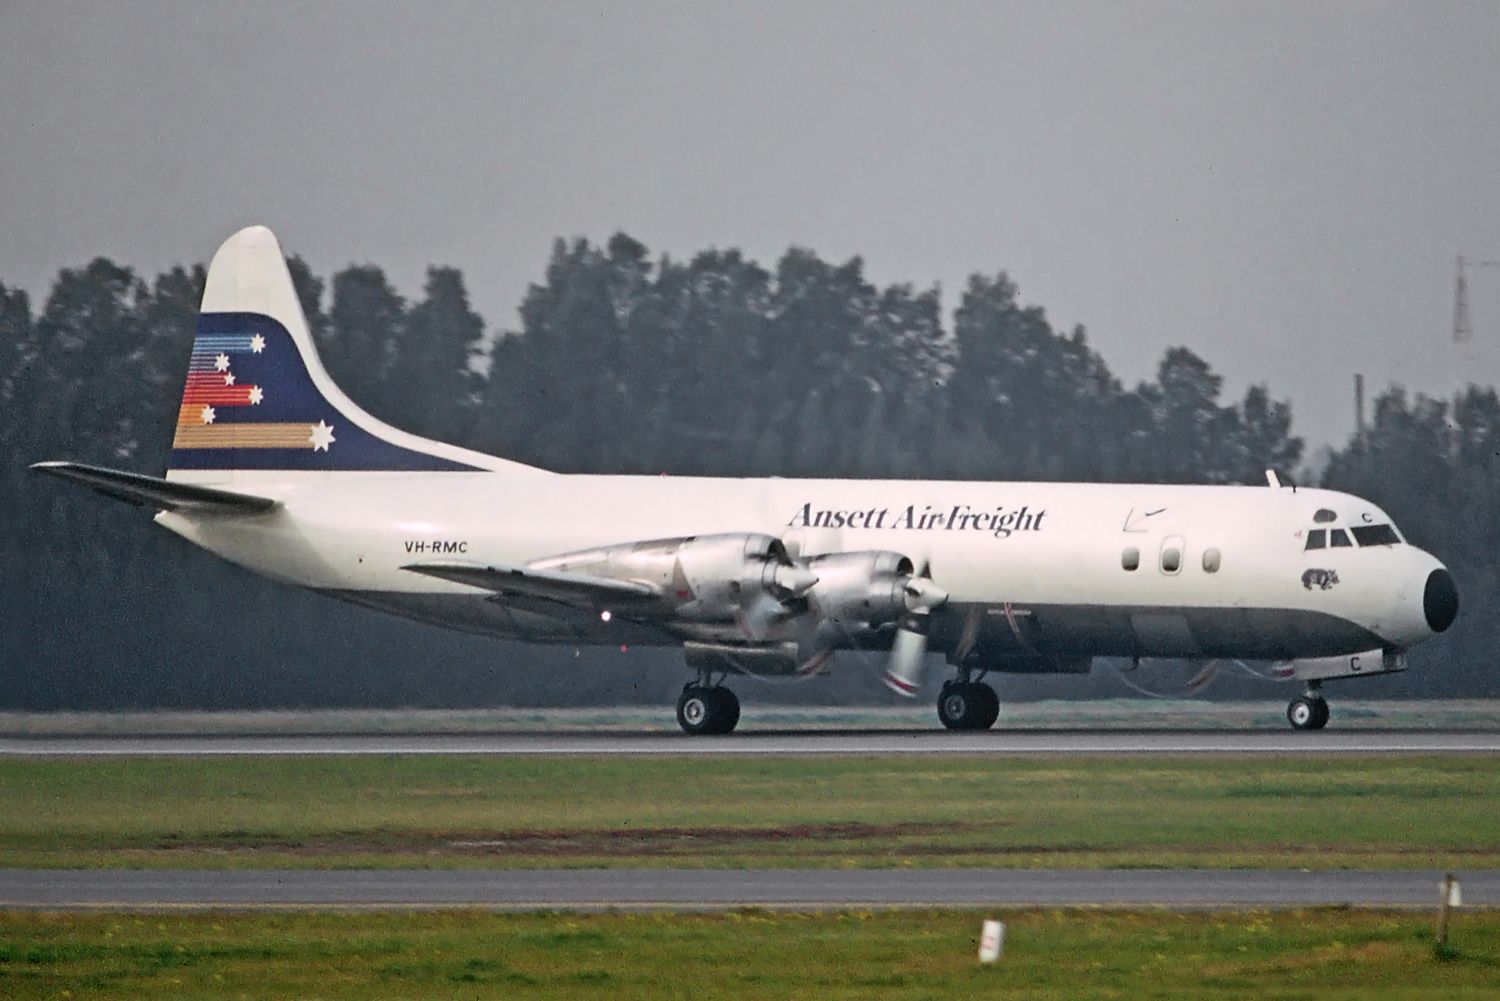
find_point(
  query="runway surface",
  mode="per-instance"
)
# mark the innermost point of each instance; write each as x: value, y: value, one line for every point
x: 712, y: 889
x: 786, y: 742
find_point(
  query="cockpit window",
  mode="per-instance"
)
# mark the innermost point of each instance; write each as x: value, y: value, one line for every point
x: 1338, y: 538
x: 1323, y: 516
x: 1376, y: 535
x: 1317, y: 539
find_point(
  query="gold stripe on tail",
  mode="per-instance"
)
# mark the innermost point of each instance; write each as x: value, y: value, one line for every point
x: 243, y: 436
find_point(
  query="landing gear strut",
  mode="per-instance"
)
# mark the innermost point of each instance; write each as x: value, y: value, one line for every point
x: 704, y: 708
x: 1309, y: 712
x: 968, y: 705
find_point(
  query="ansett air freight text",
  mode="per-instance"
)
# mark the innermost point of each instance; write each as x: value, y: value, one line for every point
x: 998, y: 521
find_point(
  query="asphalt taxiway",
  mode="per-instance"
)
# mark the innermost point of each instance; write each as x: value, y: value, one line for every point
x: 753, y: 742
x: 711, y: 889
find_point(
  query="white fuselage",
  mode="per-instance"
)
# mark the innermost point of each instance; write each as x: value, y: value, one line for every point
x: 1053, y: 552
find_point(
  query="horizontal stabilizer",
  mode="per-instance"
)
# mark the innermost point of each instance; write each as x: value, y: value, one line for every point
x: 134, y: 488
x: 552, y: 585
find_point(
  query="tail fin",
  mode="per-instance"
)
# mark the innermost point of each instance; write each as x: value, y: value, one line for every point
x: 258, y: 397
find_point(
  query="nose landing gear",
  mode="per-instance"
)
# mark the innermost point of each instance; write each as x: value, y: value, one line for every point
x: 1310, y: 712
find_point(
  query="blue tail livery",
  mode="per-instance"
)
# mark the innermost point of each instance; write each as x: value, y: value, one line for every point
x: 258, y: 398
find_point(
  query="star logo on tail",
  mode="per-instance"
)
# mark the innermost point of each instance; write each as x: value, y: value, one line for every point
x: 321, y: 437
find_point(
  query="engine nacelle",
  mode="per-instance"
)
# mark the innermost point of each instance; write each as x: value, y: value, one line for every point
x: 774, y: 660
x: 730, y: 574
x: 707, y: 578
x: 864, y: 588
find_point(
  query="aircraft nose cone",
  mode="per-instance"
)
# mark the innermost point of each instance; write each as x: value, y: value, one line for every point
x: 1440, y: 600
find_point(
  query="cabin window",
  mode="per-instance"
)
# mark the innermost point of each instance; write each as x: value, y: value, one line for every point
x: 1376, y: 535
x: 1171, y: 554
x: 1323, y: 516
x: 1130, y: 559
x: 1338, y: 538
x: 1317, y: 539
x: 1210, y: 561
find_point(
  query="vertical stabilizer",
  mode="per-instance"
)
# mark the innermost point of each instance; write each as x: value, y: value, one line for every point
x: 257, y: 395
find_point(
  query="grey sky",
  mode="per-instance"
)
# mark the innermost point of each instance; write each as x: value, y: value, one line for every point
x: 1281, y: 187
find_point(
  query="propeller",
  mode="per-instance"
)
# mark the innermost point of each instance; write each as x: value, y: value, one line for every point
x: 788, y: 583
x: 817, y: 637
x: 1199, y: 681
x: 758, y: 617
x: 903, y: 673
x: 792, y: 581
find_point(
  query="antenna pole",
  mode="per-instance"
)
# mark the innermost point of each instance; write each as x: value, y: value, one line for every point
x: 1463, y: 330
x: 1463, y: 326
x: 1359, y: 405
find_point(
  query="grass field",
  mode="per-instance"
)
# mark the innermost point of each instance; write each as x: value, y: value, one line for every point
x: 1417, y: 812
x: 1325, y: 954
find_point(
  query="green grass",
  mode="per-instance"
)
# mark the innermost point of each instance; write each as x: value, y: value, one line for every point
x: 1329, y: 812
x: 1324, y: 954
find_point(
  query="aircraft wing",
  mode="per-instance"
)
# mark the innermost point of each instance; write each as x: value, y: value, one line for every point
x: 550, y: 585
x: 140, y: 490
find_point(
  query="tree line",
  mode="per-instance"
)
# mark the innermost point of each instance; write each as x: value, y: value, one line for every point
x: 627, y: 363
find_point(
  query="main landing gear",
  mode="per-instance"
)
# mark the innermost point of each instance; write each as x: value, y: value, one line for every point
x: 1309, y: 712
x: 968, y: 705
x: 707, y: 708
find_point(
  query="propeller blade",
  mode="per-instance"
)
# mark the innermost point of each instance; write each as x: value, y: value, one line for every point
x: 757, y: 620
x: 903, y: 673
x: 1200, y: 681
x: 814, y: 664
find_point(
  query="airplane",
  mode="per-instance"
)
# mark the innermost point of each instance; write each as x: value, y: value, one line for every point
x: 275, y: 469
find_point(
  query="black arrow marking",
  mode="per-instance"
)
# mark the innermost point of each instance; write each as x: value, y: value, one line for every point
x: 1133, y: 524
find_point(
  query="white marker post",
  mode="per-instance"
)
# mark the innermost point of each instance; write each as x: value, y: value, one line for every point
x: 1450, y: 894
x: 991, y: 941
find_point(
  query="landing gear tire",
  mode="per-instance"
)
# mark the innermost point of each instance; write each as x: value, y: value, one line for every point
x: 968, y: 705
x: 729, y: 710
x: 990, y: 703
x: 1307, y: 713
x: 705, y: 710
